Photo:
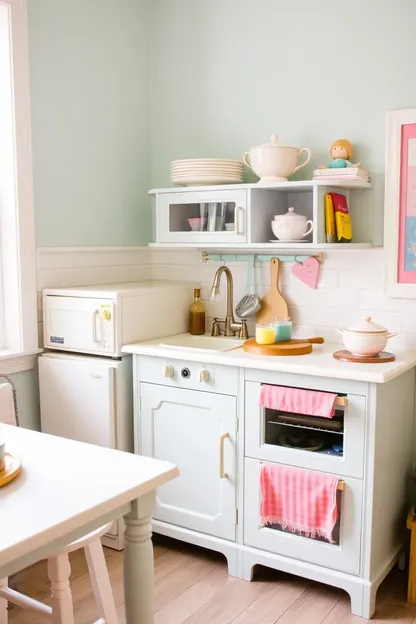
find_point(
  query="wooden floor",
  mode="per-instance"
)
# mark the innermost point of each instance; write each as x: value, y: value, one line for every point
x: 192, y: 586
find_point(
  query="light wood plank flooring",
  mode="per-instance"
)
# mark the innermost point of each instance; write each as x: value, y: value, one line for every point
x: 193, y: 587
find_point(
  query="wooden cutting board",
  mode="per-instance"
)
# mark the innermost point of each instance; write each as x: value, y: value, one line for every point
x: 291, y: 347
x: 273, y: 305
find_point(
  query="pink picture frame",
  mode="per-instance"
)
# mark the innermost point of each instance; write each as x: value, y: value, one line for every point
x: 400, y: 204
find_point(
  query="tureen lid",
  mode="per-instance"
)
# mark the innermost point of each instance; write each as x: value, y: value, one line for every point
x: 366, y: 325
x: 291, y: 214
x: 274, y: 142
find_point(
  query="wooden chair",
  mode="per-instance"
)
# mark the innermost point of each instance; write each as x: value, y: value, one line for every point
x: 59, y: 570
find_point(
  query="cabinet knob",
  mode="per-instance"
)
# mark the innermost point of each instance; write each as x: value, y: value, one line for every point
x: 203, y: 375
x: 169, y: 370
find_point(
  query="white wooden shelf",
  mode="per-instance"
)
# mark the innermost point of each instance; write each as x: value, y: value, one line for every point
x: 262, y: 247
x: 288, y: 185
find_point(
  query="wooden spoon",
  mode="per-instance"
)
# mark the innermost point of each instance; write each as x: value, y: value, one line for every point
x: 273, y: 305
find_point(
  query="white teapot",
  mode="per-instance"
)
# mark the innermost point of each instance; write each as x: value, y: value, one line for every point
x: 291, y: 226
x: 273, y: 162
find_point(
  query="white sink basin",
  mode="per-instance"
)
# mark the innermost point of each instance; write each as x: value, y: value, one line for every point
x: 202, y: 343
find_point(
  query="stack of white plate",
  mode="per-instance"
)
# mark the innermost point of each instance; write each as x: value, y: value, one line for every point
x: 206, y: 171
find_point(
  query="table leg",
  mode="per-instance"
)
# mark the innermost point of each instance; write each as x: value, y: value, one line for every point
x: 138, y: 561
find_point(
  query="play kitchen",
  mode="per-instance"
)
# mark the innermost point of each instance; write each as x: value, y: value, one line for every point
x: 246, y: 416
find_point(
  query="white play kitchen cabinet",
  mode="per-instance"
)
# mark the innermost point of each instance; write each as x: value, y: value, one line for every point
x: 206, y: 419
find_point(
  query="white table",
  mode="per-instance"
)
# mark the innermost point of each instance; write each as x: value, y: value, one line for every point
x: 67, y: 489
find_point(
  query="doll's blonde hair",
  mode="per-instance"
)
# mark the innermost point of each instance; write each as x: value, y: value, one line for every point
x: 345, y: 144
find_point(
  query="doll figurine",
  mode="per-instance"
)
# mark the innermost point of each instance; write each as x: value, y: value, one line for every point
x: 341, y: 152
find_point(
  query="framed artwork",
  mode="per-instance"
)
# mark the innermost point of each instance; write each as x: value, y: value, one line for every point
x: 400, y: 204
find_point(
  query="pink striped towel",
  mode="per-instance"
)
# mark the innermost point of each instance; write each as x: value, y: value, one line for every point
x: 298, y: 401
x: 299, y: 500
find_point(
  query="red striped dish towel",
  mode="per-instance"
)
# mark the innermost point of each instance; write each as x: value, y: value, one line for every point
x: 299, y: 500
x: 298, y: 401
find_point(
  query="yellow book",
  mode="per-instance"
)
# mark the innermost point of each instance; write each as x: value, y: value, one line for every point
x: 342, y: 218
x: 331, y: 235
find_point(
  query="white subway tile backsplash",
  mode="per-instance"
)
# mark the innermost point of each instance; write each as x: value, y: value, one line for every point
x: 361, y: 277
x: 350, y: 285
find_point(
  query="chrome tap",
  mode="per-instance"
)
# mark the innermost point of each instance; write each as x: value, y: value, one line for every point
x: 231, y: 326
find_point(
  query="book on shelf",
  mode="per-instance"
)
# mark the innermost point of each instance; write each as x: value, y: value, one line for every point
x: 347, y: 173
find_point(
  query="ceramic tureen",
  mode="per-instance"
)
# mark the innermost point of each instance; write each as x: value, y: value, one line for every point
x: 274, y: 162
x: 365, y: 338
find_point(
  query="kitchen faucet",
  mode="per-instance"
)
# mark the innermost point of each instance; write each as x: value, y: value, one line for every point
x: 231, y: 326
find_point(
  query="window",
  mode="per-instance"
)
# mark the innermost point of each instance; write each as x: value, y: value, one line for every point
x: 18, y: 311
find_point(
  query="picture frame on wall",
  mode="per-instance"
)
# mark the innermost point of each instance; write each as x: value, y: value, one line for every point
x: 400, y: 204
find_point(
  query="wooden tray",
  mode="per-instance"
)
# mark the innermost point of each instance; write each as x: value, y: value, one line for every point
x: 380, y: 358
x: 12, y: 469
x: 291, y: 347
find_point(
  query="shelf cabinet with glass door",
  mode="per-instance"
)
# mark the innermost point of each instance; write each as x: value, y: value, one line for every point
x: 240, y: 216
x: 203, y: 216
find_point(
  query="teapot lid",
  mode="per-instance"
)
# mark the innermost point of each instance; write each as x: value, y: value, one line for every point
x: 291, y: 214
x: 366, y: 325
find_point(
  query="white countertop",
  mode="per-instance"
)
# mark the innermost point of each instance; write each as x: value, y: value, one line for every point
x: 319, y: 363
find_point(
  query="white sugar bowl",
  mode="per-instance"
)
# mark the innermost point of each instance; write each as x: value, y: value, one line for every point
x: 365, y: 338
x: 273, y: 162
x: 291, y: 226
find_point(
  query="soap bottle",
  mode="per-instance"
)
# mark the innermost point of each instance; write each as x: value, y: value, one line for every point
x: 197, y: 315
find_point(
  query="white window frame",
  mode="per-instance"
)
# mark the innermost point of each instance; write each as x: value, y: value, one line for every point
x: 17, y: 228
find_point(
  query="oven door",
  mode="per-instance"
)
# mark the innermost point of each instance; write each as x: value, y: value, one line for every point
x: 79, y: 324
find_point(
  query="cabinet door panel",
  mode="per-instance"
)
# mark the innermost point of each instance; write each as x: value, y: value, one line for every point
x: 174, y: 210
x: 185, y: 428
x: 344, y: 556
x: 262, y: 439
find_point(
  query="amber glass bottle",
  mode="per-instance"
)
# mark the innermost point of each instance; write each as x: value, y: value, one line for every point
x: 197, y: 315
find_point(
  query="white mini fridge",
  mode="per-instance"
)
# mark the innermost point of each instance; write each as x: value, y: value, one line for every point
x: 88, y: 399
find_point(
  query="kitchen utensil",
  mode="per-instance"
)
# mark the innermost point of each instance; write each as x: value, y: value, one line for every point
x: 273, y: 305
x: 380, y: 358
x: 291, y: 347
x: 12, y: 467
x: 282, y: 330
x: 273, y: 162
x: 250, y: 303
x: 303, y: 443
x: 197, y: 224
x: 212, y: 216
x: 365, y: 338
x: 291, y: 225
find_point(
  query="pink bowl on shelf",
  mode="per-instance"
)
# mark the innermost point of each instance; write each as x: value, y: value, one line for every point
x: 197, y: 224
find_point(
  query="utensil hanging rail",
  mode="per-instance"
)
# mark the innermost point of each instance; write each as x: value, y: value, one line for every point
x: 226, y: 257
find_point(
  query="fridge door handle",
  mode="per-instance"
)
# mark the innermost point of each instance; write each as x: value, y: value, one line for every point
x: 113, y: 406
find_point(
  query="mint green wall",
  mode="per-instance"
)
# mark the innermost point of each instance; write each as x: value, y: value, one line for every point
x: 227, y: 73
x: 89, y: 70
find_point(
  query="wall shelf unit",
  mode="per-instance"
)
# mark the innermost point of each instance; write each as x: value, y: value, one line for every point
x: 248, y: 210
